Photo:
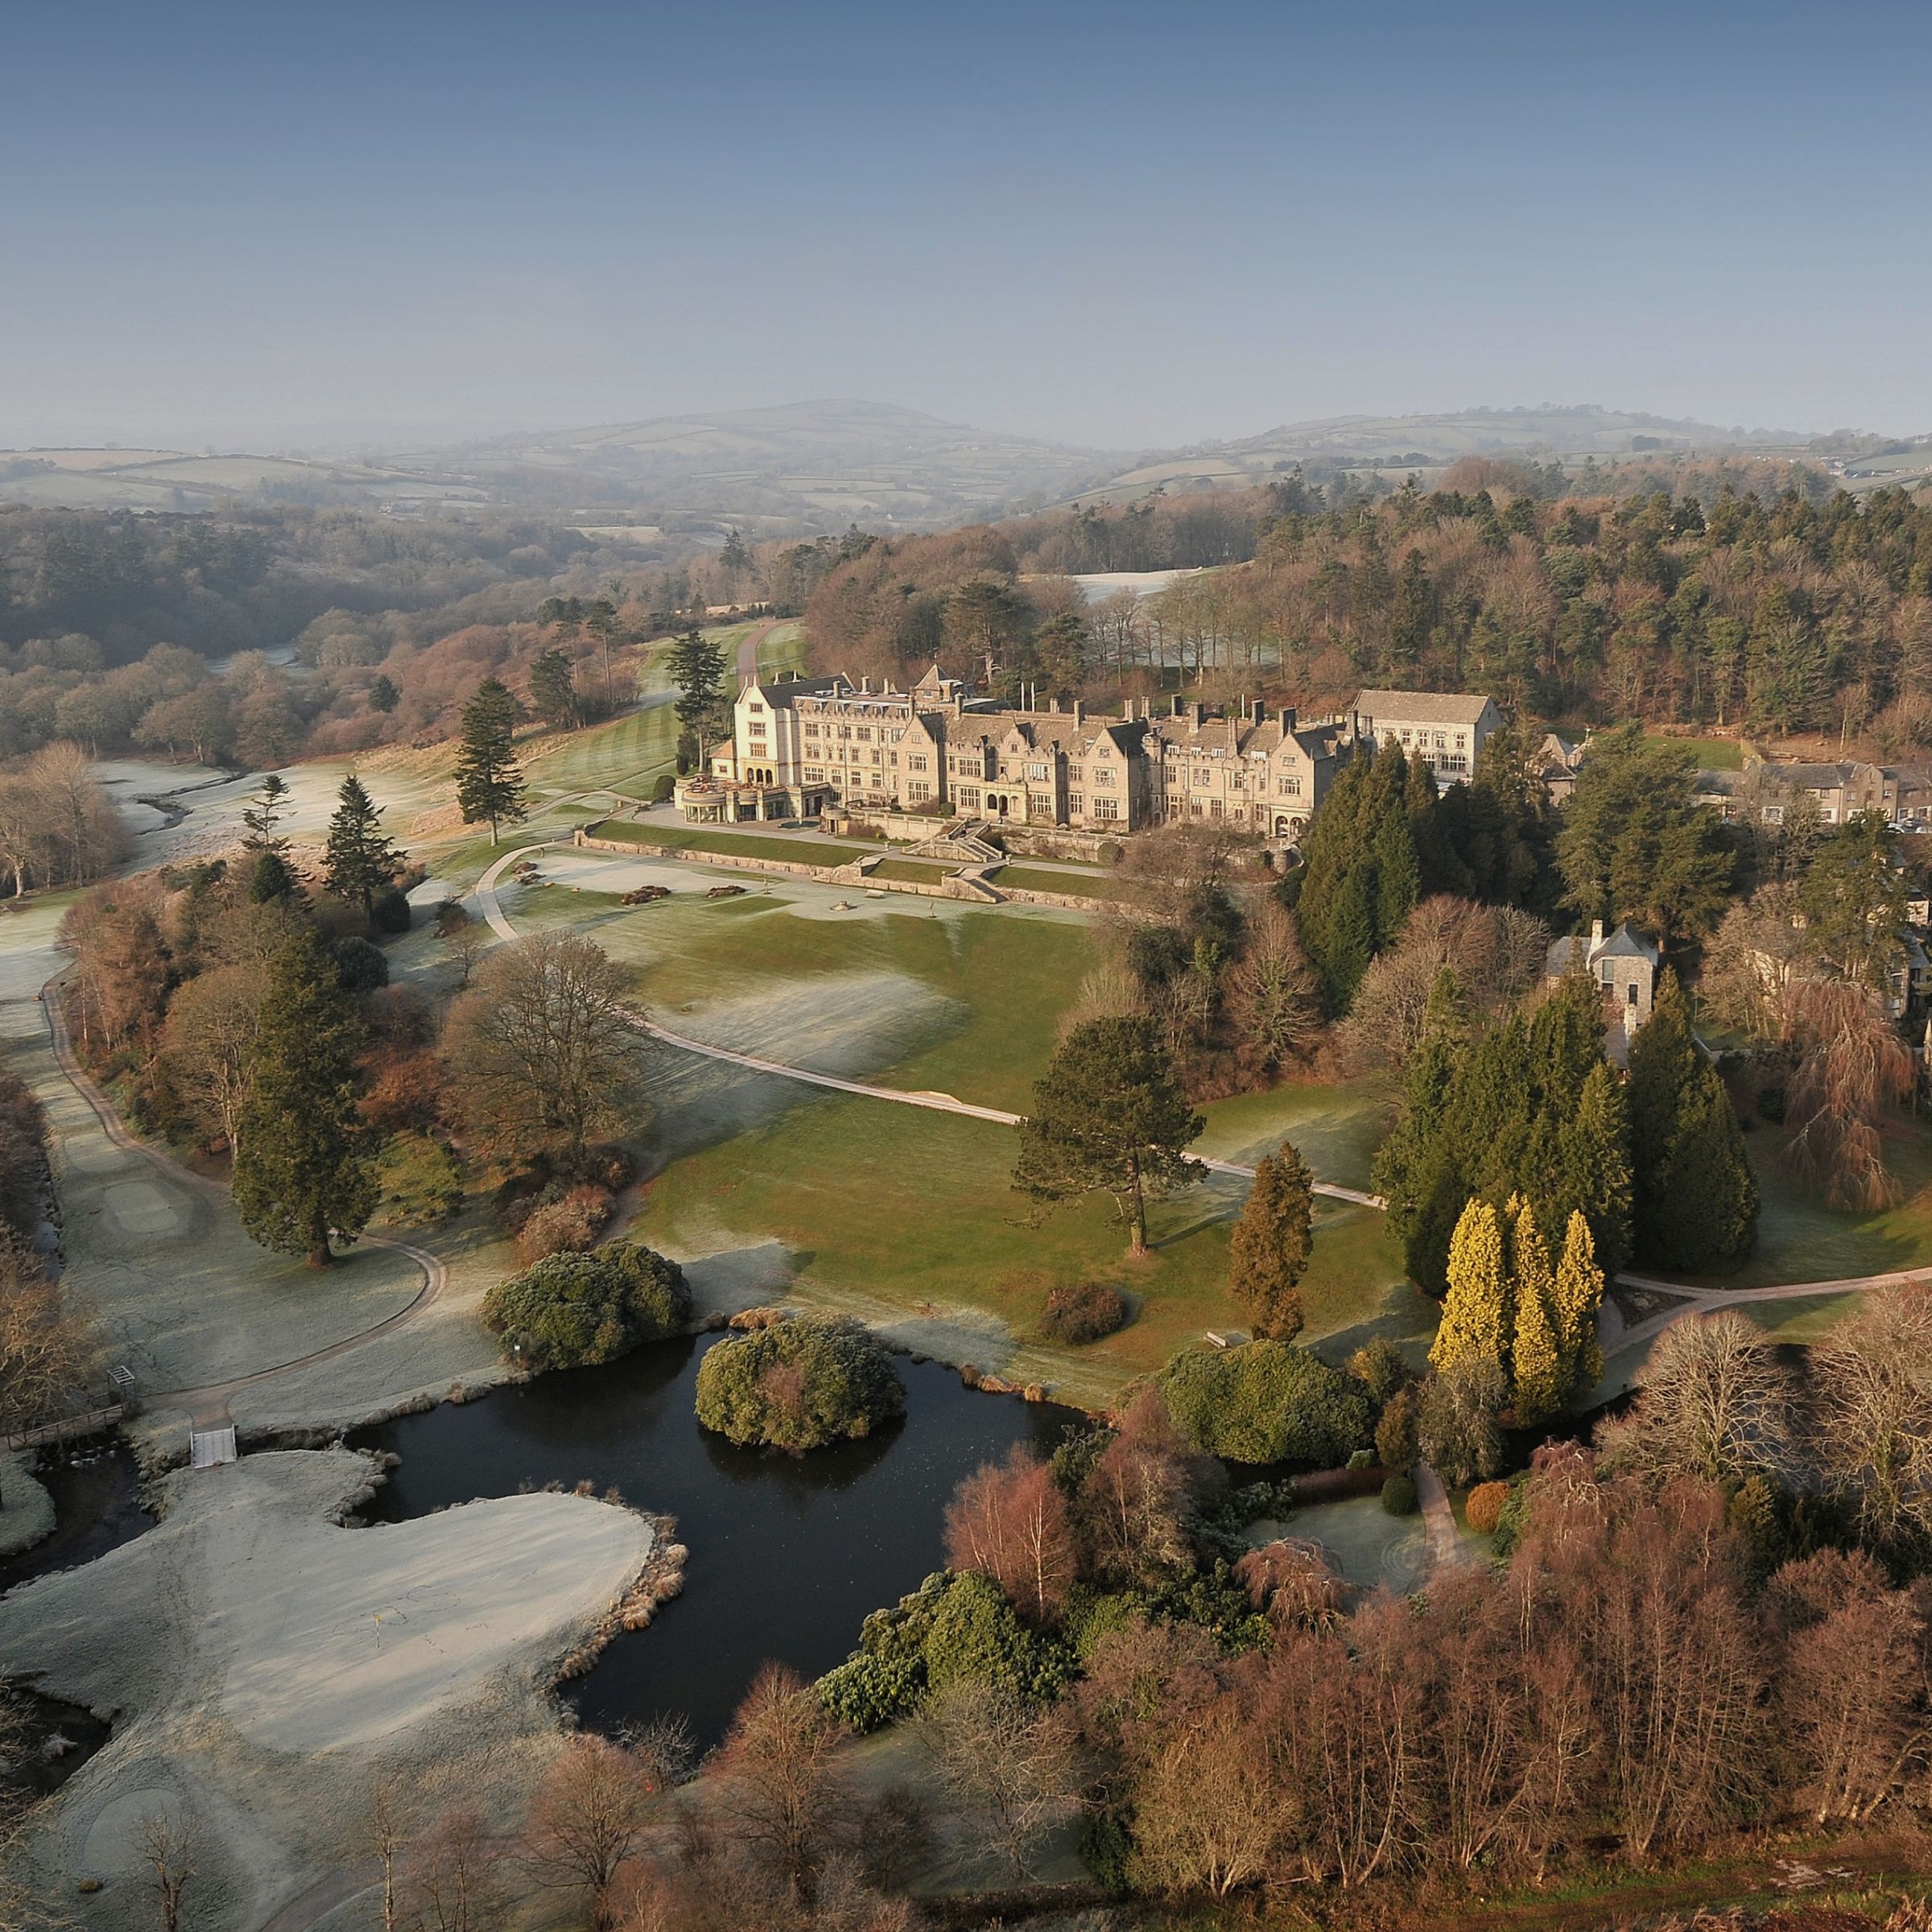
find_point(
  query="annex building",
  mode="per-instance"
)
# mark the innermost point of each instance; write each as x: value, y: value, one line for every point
x: 804, y: 746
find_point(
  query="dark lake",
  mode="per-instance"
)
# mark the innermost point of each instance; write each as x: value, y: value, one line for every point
x: 787, y: 1553
x: 96, y: 1496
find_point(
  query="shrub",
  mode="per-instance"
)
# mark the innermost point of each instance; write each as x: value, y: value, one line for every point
x: 1486, y: 1506
x: 1082, y: 1313
x: 820, y: 1379
x: 451, y: 917
x: 570, y: 1310
x: 360, y: 966
x: 1396, y: 1444
x: 569, y: 1226
x: 389, y: 911
x: 662, y: 787
x: 976, y: 1633
x: 1771, y: 1104
x: 1382, y: 1368
x: 1267, y: 1402
x: 1398, y: 1496
x: 421, y: 1181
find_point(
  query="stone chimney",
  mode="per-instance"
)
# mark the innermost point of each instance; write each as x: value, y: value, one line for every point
x: 1288, y: 719
x: 865, y: 684
x: 1198, y: 713
x: 1596, y: 933
x: 1176, y: 712
x: 1079, y: 714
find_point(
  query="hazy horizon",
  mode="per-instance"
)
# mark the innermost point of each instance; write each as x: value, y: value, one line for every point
x: 1112, y: 228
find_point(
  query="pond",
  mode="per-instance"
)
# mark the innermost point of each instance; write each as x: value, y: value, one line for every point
x: 97, y: 1494
x: 787, y: 1553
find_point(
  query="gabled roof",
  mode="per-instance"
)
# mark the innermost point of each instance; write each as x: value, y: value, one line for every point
x: 1423, y: 706
x: 1626, y: 943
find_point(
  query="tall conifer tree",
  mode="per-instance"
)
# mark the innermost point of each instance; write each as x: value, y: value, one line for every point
x: 1476, y: 1322
x: 1269, y: 1246
x: 489, y: 782
x: 361, y: 860
x: 301, y: 1171
x: 1535, y: 1352
x: 1578, y: 1295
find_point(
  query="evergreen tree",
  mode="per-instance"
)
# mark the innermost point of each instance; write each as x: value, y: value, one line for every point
x: 383, y: 696
x: 1535, y: 1352
x: 1696, y: 1198
x: 1397, y: 877
x: 489, y: 782
x: 1437, y: 863
x: 360, y: 861
x: 262, y: 814
x: 1349, y: 944
x: 302, y: 1170
x: 1269, y: 1248
x: 1593, y: 1167
x: 697, y: 666
x: 1109, y: 1117
x: 1477, y: 1317
x: 553, y: 690
x: 1578, y: 1293
x: 272, y: 877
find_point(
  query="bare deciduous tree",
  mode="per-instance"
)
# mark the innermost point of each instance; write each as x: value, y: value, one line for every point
x: 1852, y: 1067
x: 1010, y: 1522
x: 206, y: 1042
x: 1872, y: 1375
x: 588, y: 1817
x: 454, y: 1873
x: 546, y: 1049
x: 1713, y: 1401
x: 779, y: 1785
x: 1006, y: 1764
x: 168, y: 1849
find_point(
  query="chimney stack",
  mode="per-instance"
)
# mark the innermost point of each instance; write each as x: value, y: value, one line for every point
x: 1199, y: 712
x: 1596, y: 932
x: 1079, y: 714
x: 1288, y: 719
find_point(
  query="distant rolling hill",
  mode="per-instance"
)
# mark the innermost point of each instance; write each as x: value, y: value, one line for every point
x: 1426, y: 443
x: 797, y: 469
x: 172, y: 480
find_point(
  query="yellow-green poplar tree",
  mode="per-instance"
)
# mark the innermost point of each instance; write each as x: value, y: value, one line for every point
x: 1579, y: 1294
x: 1535, y: 1354
x: 1475, y: 1325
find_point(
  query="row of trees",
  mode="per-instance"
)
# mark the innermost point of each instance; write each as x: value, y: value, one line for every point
x: 57, y: 826
x: 1783, y: 616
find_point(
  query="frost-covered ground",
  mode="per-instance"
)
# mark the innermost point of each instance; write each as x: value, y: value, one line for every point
x: 268, y: 1667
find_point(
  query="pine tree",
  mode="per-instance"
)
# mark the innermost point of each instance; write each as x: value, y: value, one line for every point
x: 301, y: 1168
x: 263, y: 813
x: 1109, y: 1117
x: 1351, y: 943
x: 697, y: 665
x: 1269, y: 1249
x: 1696, y: 1198
x: 383, y: 696
x: 1476, y: 1322
x: 360, y: 861
x: 489, y: 782
x: 1535, y: 1352
x: 1398, y: 879
x: 1593, y: 1167
x: 553, y: 690
x: 1578, y: 1293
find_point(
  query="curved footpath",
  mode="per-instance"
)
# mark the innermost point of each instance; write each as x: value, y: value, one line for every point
x: 936, y: 1102
x: 1615, y: 1333
x: 208, y: 1407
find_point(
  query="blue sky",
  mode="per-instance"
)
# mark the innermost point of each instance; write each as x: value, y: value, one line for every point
x: 1113, y: 224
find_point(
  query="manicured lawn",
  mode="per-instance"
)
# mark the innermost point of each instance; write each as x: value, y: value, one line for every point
x: 1005, y: 978
x: 1799, y: 1239
x: 913, y: 872
x: 626, y: 754
x: 1336, y: 1129
x: 743, y: 845
x: 914, y: 1210
x: 1030, y: 878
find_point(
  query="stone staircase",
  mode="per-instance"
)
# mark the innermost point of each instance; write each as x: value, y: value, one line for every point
x: 968, y: 840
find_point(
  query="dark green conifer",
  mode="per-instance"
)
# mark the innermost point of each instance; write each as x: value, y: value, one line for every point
x: 301, y: 1171
x: 489, y: 782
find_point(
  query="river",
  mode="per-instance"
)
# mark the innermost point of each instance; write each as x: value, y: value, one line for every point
x: 787, y: 1553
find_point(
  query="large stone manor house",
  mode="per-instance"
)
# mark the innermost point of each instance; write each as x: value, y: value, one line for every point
x: 801, y: 747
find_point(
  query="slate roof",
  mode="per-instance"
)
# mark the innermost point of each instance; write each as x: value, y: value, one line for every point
x: 1422, y: 707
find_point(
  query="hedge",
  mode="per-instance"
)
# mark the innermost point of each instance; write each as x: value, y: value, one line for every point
x: 1267, y: 1402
